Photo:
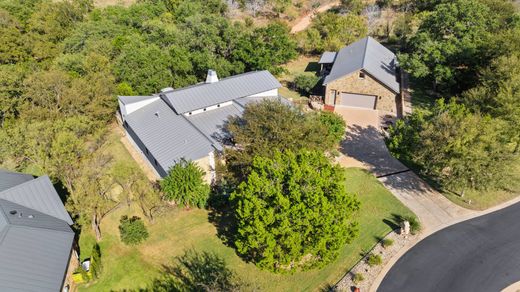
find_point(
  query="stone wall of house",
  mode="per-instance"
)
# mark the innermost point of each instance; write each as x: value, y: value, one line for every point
x: 208, y: 168
x: 386, y: 99
x: 73, y: 265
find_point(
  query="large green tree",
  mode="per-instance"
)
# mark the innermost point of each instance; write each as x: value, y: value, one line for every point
x: 457, y: 149
x: 293, y: 211
x: 269, y: 126
x: 452, y: 43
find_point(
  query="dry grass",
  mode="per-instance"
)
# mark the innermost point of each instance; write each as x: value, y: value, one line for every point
x: 177, y: 230
x: 105, y: 3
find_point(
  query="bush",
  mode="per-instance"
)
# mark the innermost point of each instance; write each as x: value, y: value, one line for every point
x: 387, y: 242
x: 185, y: 185
x: 415, y: 225
x: 95, y: 261
x: 358, y: 278
x: 132, y: 230
x: 374, y: 260
x: 335, y: 125
x: 305, y: 83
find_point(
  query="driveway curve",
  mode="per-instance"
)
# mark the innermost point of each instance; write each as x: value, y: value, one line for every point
x: 481, y: 254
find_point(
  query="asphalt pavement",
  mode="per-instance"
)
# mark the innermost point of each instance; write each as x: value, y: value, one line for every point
x: 481, y: 254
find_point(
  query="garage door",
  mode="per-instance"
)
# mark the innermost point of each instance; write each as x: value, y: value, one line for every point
x: 358, y: 100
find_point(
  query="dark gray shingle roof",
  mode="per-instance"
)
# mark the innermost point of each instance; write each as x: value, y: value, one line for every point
x: 203, y: 95
x: 168, y: 136
x: 369, y: 55
x: 10, y: 179
x: 38, y: 194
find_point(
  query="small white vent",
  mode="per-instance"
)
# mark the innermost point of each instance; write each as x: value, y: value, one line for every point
x: 166, y: 89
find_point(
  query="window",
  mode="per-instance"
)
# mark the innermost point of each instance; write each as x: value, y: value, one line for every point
x: 146, y: 149
x: 125, y: 124
x: 361, y: 75
x: 155, y: 161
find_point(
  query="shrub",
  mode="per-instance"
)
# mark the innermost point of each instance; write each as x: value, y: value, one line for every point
x: 305, y: 83
x: 374, y: 260
x: 95, y: 262
x: 387, y: 242
x: 185, y: 185
x: 358, y: 278
x: 132, y: 230
x: 335, y: 125
x: 415, y: 225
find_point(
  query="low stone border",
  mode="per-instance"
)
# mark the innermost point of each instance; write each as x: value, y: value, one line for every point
x: 371, y: 273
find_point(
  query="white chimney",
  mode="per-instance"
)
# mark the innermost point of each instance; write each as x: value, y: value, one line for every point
x: 212, y: 76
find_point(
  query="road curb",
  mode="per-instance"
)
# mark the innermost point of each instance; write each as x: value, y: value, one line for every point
x: 427, y: 232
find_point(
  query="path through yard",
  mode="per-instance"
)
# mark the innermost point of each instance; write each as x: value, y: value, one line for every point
x: 307, y: 19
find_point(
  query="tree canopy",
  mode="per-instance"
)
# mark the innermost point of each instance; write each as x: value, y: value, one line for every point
x: 293, y: 211
x: 269, y: 126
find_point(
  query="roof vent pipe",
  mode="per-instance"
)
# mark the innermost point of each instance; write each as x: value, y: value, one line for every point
x: 212, y: 76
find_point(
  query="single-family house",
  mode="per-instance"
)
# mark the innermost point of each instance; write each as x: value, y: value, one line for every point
x: 364, y: 75
x: 36, y: 241
x: 187, y: 123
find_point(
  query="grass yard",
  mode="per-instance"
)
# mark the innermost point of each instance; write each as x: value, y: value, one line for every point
x: 481, y: 200
x: 177, y: 230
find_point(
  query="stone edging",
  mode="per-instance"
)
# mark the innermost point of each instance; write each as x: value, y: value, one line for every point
x: 371, y: 273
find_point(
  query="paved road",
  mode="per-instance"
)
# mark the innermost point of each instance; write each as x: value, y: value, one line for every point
x: 481, y: 254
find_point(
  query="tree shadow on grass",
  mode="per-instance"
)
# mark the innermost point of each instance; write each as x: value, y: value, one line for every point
x: 198, y: 271
x: 222, y: 217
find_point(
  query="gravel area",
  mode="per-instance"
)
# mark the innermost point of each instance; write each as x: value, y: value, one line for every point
x: 371, y: 273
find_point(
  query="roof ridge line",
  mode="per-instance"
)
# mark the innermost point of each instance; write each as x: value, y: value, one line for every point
x: 205, y: 83
x: 17, y: 186
x: 198, y: 130
x: 365, y: 53
x: 45, y: 228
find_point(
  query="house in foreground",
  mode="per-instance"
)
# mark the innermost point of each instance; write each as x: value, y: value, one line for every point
x: 362, y: 75
x: 36, y: 241
x: 187, y: 123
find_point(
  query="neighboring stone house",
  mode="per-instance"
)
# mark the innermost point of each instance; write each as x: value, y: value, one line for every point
x: 362, y: 75
x: 187, y: 123
x: 36, y: 241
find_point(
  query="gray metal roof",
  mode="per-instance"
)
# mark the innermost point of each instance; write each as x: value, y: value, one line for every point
x: 38, y: 194
x: 133, y: 99
x: 34, y: 252
x: 10, y: 179
x: 327, y: 58
x: 369, y: 55
x: 168, y: 136
x: 203, y: 95
x: 212, y: 123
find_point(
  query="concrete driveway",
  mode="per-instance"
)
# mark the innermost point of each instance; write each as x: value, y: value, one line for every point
x: 365, y: 145
x: 364, y: 142
x: 480, y: 254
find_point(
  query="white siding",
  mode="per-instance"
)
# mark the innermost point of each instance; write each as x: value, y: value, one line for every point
x: 127, y: 109
x: 272, y: 92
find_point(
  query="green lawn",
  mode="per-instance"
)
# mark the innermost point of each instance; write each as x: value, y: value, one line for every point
x: 178, y: 230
